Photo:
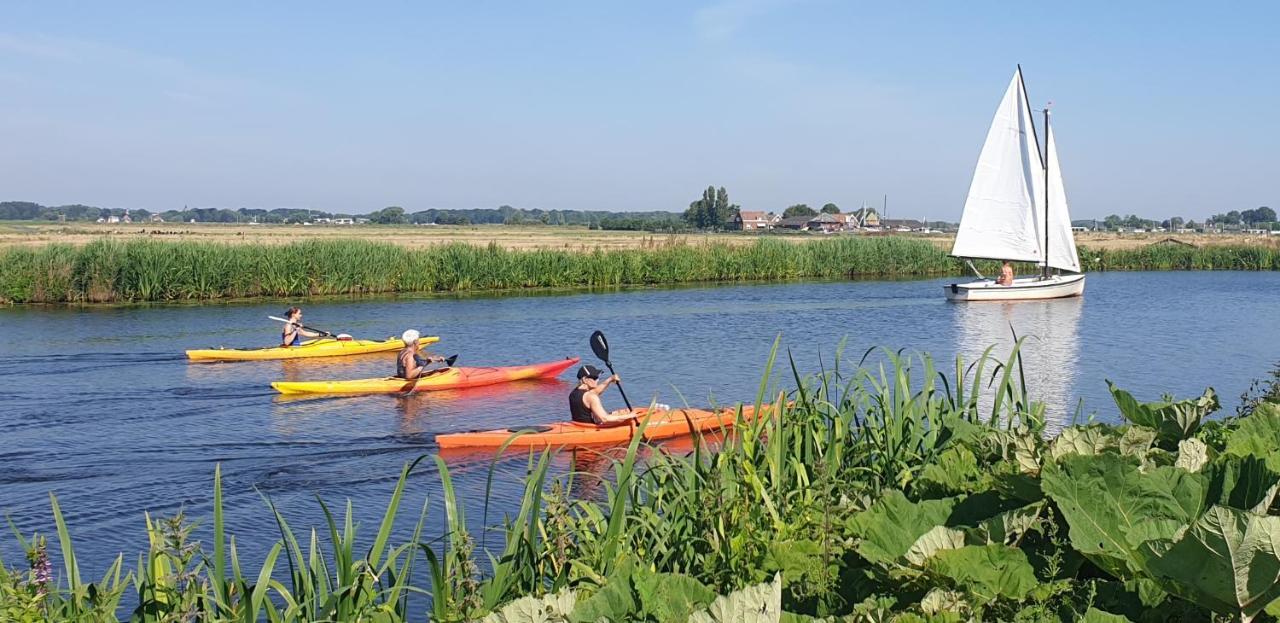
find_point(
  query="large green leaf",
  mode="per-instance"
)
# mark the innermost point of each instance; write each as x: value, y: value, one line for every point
x: 1258, y: 435
x: 1172, y: 420
x: 986, y: 572
x: 547, y: 609
x: 1193, y: 455
x: 1085, y: 440
x: 754, y: 604
x: 1241, y: 482
x: 932, y: 542
x: 1111, y: 506
x: 634, y: 592
x: 1229, y: 561
x: 798, y: 560
x: 1094, y: 615
x: 955, y: 471
x: 671, y: 597
x: 893, y: 524
x: 1009, y: 526
x: 616, y: 601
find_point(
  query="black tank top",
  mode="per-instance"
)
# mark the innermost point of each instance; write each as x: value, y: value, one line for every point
x: 577, y: 410
x: 401, y: 372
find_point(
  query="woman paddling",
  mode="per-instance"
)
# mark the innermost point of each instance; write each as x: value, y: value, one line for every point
x: 293, y: 329
x: 410, y: 365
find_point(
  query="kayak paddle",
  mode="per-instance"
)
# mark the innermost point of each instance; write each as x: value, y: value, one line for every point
x: 600, y: 346
x: 320, y: 331
x: 448, y: 362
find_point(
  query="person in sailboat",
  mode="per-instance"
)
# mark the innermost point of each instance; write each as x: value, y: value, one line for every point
x: 1006, y: 274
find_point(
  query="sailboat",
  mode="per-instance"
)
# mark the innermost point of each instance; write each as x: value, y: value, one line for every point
x: 1017, y: 210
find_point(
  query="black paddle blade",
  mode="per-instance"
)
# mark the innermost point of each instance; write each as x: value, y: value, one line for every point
x: 600, y: 346
x: 449, y: 361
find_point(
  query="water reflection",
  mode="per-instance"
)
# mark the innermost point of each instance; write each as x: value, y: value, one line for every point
x: 1050, y: 350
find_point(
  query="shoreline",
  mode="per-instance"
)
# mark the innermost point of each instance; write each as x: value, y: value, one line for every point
x: 113, y: 273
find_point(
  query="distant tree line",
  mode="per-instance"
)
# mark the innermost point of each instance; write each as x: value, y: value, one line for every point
x: 1261, y: 218
x: 392, y: 215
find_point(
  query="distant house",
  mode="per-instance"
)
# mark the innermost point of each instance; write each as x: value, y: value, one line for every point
x: 867, y: 218
x: 113, y: 219
x: 344, y: 221
x: 825, y: 223
x: 848, y: 222
x: 156, y: 218
x: 361, y: 221
x: 1185, y: 230
x: 904, y: 224
x: 795, y: 222
x: 754, y: 220
x: 1078, y: 228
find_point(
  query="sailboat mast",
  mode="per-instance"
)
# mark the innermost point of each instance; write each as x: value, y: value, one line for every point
x: 1045, y: 273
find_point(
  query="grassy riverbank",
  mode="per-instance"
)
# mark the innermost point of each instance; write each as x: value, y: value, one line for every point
x: 108, y: 271
x: 885, y: 493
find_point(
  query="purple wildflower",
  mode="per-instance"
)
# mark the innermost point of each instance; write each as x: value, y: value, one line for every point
x: 41, y: 570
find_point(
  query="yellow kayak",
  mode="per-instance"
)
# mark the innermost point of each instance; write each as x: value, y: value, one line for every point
x: 322, y: 347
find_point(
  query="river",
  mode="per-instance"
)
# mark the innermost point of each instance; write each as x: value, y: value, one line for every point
x: 101, y: 407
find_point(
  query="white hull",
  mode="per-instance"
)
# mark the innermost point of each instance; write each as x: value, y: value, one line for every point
x: 1024, y: 288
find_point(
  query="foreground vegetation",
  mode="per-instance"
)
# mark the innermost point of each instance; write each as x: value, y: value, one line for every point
x: 888, y: 493
x: 106, y: 270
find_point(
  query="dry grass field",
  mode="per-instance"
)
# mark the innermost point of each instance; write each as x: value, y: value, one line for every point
x: 16, y: 233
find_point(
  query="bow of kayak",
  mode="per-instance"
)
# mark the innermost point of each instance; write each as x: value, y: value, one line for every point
x: 445, y: 378
x: 323, y: 347
x: 658, y: 425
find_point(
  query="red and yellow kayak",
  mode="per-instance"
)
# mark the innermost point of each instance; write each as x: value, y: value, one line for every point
x: 446, y: 378
x: 658, y: 425
x: 322, y: 347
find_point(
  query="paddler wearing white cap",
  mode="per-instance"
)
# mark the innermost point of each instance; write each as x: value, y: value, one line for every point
x: 409, y: 364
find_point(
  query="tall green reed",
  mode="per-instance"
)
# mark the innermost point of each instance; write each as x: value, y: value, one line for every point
x: 147, y: 270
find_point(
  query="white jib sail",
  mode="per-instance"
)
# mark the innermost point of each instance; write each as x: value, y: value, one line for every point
x: 999, y: 219
x: 1062, y: 244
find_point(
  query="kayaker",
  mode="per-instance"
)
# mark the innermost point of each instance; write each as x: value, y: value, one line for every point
x: 585, y: 405
x: 293, y: 330
x: 411, y: 365
x: 1006, y: 274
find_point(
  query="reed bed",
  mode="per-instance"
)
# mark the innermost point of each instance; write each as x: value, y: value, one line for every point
x: 1262, y: 256
x: 885, y: 492
x: 111, y: 271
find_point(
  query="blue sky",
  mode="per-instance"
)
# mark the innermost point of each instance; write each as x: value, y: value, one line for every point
x: 1160, y: 108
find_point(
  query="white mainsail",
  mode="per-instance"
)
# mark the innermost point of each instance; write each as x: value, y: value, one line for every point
x: 999, y: 220
x: 1062, y: 243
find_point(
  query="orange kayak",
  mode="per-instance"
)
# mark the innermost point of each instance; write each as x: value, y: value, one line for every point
x: 445, y: 378
x: 658, y: 425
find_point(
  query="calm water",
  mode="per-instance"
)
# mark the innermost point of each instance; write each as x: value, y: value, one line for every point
x: 101, y: 407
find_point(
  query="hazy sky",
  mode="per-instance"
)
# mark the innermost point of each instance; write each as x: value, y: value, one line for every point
x: 1162, y: 108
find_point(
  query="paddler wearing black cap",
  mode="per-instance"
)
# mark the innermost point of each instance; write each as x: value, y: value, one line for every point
x: 585, y: 405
